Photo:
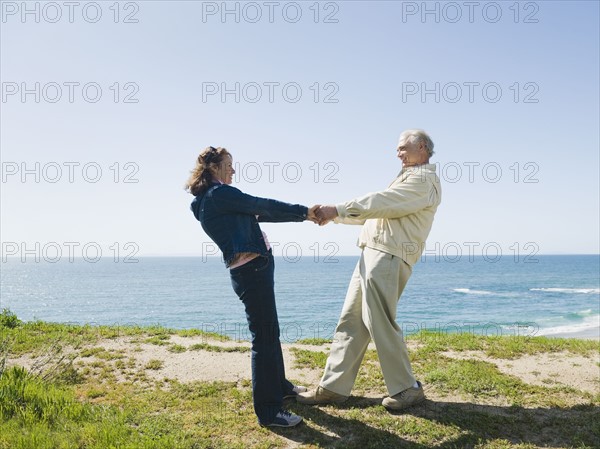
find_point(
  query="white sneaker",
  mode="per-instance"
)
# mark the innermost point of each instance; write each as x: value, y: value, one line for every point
x: 407, y: 398
x: 285, y: 419
x: 297, y: 389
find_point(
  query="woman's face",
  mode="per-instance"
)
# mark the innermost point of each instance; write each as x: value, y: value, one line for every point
x: 225, y: 171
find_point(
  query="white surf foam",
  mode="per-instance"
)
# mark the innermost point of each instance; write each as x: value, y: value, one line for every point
x: 468, y: 291
x: 587, y: 326
x: 566, y: 290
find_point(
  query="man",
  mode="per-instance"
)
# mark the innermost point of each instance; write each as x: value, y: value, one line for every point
x: 396, y: 223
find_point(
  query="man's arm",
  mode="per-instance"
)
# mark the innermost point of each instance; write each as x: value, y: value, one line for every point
x: 349, y: 220
x: 400, y: 199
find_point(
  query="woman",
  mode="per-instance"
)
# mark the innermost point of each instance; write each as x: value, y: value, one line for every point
x: 230, y: 218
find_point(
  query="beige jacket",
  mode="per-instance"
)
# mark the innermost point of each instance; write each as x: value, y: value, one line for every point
x: 398, y: 219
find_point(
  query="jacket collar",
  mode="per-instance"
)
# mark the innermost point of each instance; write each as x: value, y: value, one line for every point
x: 414, y: 168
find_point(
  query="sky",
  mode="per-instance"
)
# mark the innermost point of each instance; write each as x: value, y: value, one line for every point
x: 105, y: 107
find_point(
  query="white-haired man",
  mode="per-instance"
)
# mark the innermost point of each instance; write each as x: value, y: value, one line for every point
x: 396, y: 223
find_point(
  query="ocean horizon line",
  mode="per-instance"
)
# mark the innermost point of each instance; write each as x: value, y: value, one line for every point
x: 215, y: 257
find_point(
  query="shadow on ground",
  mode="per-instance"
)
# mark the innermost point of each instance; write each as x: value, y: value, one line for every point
x: 468, y: 425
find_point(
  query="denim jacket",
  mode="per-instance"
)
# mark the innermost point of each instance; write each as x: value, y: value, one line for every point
x: 229, y: 217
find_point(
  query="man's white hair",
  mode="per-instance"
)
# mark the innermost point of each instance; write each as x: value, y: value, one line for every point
x: 420, y: 136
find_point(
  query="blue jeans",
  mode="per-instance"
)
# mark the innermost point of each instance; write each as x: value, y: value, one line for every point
x: 254, y: 284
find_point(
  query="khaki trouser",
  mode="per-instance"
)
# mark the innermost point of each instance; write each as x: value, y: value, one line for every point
x: 370, y: 313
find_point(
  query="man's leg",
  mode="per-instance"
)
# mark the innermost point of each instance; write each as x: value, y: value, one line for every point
x: 350, y: 340
x: 385, y: 279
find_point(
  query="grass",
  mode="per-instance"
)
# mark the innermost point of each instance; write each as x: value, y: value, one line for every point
x: 159, y: 340
x: 154, y: 364
x: 29, y: 337
x: 503, y: 347
x: 106, y: 400
x: 177, y: 348
x: 213, y: 348
x: 314, y: 341
x: 37, y: 414
x: 478, y: 379
x: 309, y: 359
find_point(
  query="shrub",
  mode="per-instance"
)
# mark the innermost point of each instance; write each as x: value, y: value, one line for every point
x: 9, y: 319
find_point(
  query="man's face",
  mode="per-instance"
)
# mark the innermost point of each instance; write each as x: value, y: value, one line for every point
x: 411, y: 153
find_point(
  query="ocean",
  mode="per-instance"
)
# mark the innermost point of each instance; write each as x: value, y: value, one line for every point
x: 546, y: 295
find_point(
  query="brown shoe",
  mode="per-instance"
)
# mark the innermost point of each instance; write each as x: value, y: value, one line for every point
x: 320, y: 396
x: 405, y: 399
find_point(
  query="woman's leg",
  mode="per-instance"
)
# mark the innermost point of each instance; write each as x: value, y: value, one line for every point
x: 253, y: 283
x: 286, y: 386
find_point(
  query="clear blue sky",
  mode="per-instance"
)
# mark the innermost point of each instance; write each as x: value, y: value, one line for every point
x: 520, y: 171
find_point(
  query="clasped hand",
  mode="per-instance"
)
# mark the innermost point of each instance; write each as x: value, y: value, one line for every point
x: 322, y: 215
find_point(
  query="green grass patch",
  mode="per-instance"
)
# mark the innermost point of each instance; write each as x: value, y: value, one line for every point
x: 213, y: 348
x: 314, y: 341
x: 93, y: 394
x: 154, y: 364
x: 159, y: 340
x: 28, y: 337
x: 483, y: 380
x: 309, y: 359
x: 369, y: 376
x: 91, y: 352
x: 475, y: 378
x: 505, y: 347
x: 200, y: 333
x: 101, y: 353
x: 177, y: 348
x: 36, y: 414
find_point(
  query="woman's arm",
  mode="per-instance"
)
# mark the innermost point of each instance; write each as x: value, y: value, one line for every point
x: 232, y: 200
